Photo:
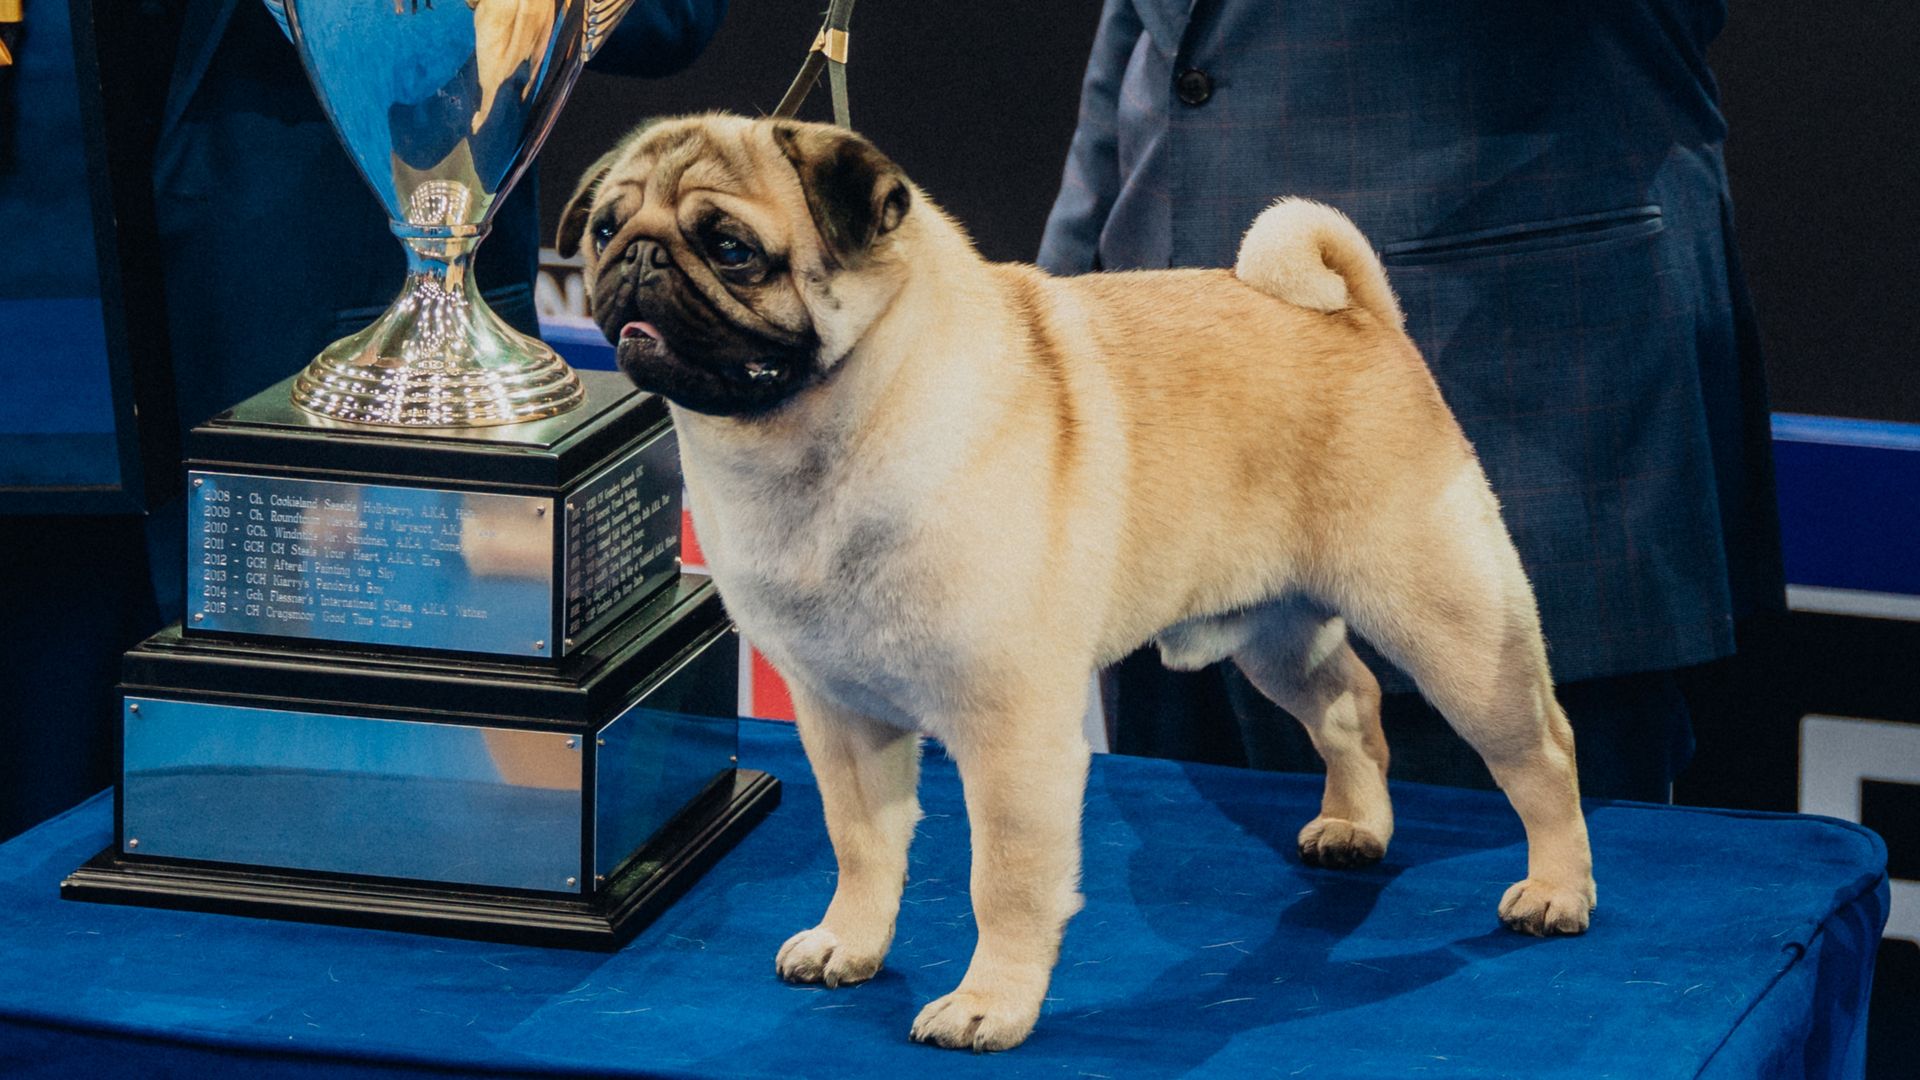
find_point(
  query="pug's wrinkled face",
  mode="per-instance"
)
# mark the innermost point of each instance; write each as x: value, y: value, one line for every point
x: 733, y: 262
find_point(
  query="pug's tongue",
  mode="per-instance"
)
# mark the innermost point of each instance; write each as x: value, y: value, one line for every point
x: 638, y: 329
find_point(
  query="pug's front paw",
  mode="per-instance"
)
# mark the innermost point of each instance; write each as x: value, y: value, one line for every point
x: 1338, y: 844
x: 1545, y: 909
x: 978, y: 1021
x: 820, y: 956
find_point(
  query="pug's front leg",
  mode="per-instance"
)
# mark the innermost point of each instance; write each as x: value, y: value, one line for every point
x: 867, y: 773
x: 1024, y: 784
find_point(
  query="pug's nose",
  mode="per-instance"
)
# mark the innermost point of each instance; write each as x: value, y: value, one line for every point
x: 645, y: 259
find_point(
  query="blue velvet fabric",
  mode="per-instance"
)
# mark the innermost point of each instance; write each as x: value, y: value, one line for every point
x: 1726, y: 945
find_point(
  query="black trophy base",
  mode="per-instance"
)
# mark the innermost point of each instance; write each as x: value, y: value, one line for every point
x: 633, y: 896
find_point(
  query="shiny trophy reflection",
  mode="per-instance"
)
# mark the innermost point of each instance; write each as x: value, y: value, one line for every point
x: 452, y: 682
x: 442, y: 104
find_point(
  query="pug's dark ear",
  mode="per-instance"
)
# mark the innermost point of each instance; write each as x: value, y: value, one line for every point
x: 573, y: 219
x: 854, y: 192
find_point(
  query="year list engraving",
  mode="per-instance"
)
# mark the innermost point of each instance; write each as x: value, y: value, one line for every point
x: 623, y: 535
x: 373, y: 564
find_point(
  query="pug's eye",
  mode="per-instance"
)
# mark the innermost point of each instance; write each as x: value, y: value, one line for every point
x: 603, y: 231
x: 730, y: 252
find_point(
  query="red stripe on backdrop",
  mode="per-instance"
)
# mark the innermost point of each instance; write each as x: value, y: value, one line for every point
x: 691, y: 557
x: 771, y: 699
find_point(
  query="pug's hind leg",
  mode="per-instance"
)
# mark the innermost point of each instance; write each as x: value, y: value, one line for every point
x: 1298, y: 656
x: 1455, y: 611
x: 1024, y: 776
x: 867, y: 774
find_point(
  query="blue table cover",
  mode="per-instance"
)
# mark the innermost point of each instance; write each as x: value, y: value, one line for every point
x: 1726, y: 945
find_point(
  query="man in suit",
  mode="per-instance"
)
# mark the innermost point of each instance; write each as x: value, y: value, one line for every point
x: 1546, y: 186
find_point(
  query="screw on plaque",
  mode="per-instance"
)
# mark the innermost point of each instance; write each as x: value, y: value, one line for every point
x: 573, y: 742
x: 539, y: 511
x: 199, y: 616
x: 571, y: 882
x: 133, y: 706
x: 132, y: 843
x: 540, y: 646
x: 197, y: 481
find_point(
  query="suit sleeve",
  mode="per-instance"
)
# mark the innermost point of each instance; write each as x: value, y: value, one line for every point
x: 1091, y: 180
x: 659, y: 37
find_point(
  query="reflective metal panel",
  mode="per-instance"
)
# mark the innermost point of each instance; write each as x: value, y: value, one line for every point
x: 444, y: 803
x: 370, y: 564
x: 652, y: 759
x: 622, y: 536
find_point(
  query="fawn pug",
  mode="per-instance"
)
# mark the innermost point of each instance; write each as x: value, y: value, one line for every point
x: 937, y: 492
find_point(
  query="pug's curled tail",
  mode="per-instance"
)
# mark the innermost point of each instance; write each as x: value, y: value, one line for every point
x: 1308, y: 253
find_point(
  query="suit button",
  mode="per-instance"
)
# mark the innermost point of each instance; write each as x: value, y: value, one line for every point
x: 1194, y: 86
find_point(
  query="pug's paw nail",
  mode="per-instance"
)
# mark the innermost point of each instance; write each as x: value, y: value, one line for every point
x: 981, y: 1022
x: 1546, y: 909
x: 1337, y: 844
x: 819, y: 956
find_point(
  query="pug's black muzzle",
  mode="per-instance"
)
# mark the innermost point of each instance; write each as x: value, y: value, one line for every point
x: 673, y: 340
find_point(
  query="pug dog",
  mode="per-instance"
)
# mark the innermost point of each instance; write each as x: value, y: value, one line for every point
x: 938, y: 492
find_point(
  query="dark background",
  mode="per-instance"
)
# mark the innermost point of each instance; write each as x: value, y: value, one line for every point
x: 1824, y: 157
x: 976, y: 100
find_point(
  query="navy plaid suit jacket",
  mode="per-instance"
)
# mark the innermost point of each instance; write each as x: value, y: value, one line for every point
x: 1545, y: 184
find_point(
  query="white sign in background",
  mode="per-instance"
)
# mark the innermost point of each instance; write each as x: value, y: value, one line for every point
x: 1836, y: 754
x: 560, y: 290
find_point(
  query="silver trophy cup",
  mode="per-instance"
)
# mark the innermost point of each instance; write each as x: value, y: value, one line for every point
x: 442, y: 104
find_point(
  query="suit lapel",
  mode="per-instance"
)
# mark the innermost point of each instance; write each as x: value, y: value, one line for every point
x: 201, y: 29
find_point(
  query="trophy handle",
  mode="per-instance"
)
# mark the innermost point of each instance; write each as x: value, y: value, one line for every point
x: 278, y: 8
x: 602, y: 17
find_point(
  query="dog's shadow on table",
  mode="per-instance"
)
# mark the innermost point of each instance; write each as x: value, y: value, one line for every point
x: 1286, y: 931
x: 1202, y: 925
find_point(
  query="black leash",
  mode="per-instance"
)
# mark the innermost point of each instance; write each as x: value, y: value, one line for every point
x: 829, y: 51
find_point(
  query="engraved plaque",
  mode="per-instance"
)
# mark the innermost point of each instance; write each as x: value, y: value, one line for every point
x: 622, y: 536
x: 370, y: 564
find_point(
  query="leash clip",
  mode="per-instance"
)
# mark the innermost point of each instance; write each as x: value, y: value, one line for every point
x: 831, y: 42
x: 828, y: 51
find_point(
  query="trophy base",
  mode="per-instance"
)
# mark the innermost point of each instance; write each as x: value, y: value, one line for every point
x: 651, y: 880
x: 559, y: 805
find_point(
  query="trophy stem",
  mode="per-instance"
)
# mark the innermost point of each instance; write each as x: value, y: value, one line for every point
x: 439, y: 356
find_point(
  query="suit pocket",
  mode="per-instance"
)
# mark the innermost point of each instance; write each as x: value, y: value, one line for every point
x: 1571, y: 359
x: 1579, y: 230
